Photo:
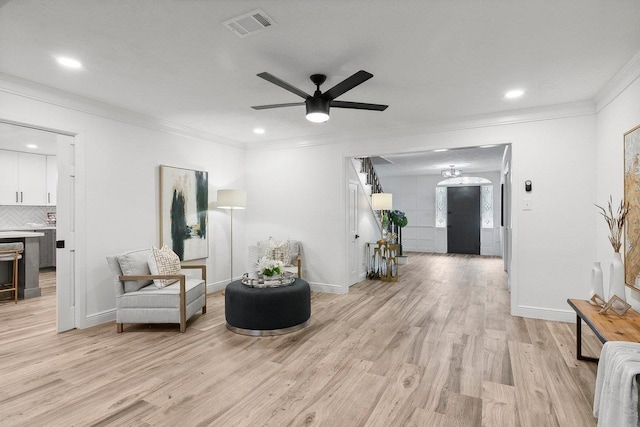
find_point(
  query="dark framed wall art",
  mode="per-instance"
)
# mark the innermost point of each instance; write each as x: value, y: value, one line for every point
x: 184, y: 200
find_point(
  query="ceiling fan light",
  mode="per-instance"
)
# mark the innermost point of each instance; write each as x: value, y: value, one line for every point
x: 317, y: 117
x: 317, y: 109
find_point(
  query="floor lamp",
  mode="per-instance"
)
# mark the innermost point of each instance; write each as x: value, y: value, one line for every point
x: 232, y: 200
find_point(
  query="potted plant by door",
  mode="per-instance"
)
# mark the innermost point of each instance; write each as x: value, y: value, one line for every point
x: 398, y: 220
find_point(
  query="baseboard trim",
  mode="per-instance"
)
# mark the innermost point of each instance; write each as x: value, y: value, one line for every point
x: 98, y: 318
x: 327, y: 288
x: 217, y: 286
x: 545, y: 313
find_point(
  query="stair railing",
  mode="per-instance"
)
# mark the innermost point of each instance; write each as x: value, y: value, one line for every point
x: 372, y: 177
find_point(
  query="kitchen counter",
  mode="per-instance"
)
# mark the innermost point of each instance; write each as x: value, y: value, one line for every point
x: 28, y: 265
x: 26, y: 228
x: 19, y: 234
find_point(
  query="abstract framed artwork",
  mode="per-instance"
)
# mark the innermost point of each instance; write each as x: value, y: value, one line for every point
x: 184, y: 200
x: 632, y: 199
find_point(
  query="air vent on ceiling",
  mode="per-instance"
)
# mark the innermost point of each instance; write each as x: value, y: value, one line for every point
x: 250, y: 23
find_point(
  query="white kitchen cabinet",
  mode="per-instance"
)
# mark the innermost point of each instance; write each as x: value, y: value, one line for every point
x: 9, y: 194
x: 32, y: 179
x: 24, y: 178
x: 52, y: 180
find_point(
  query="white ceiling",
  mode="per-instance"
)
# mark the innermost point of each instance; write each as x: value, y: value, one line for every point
x: 16, y: 138
x: 469, y: 160
x: 432, y: 60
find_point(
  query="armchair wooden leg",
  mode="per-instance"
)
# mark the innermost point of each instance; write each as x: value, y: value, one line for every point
x: 204, y: 309
x: 120, y: 327
x: 183, y: 304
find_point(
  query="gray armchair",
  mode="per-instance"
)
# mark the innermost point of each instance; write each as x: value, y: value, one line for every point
x: 139, y: 300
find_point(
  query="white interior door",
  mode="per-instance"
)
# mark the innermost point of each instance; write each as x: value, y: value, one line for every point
x: 354, y: 274
x: 65, y: 234
x: 506, y: 210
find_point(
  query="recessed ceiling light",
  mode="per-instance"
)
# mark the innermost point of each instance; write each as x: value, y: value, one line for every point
x: 439, y: 150
x: 259, y: 131
x: 512, y: 94
x: 32, y: 146
x: 69, y: 62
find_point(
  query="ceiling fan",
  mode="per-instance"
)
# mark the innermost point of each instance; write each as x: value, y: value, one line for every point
x: 318, y: 105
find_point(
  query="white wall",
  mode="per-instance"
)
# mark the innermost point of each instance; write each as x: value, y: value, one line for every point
x: 415, y: 196
x: 118, y: 187
x: 619, y: 116
x: 300, y: 193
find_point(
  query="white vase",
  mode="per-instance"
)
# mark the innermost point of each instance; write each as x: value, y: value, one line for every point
x: 596, y: 280
x: 616, y: 277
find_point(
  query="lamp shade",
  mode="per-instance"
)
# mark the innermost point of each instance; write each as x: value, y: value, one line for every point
x: 381, y: 201
x: 232, y: 199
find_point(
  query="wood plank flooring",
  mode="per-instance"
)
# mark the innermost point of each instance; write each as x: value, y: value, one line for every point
x: 437, y: 348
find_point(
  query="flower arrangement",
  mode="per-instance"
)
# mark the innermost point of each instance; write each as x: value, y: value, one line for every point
x: 270, y: 267
x: 615, y: 222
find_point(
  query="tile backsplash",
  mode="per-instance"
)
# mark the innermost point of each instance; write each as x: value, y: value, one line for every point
x: 18, y: 216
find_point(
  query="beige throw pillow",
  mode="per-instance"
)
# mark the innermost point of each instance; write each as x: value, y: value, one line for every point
x: 282, y: 252
x: 276, y: 250
x: 163, y: 261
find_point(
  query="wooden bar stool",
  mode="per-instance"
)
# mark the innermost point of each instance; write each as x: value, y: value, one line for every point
x: 11, y: 252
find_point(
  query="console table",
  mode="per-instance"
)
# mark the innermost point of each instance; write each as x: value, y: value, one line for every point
x: 267, y: 311
x: 383, y: 262
x: 607, y: 326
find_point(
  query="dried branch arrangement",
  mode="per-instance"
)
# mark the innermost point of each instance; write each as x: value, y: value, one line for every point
x: 615, y: 222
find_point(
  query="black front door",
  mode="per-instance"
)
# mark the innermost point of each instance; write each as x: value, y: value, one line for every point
x: 463, y: 220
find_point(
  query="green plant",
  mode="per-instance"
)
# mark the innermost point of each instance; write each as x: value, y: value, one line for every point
x: 398, y: 218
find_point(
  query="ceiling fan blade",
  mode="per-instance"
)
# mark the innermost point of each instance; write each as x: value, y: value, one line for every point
x: 358, y: 105
x: 266, y: 107
x: 347, y: 84
x: 276, y: 81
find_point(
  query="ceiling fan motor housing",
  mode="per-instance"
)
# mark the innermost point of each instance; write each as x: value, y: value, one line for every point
x: 317, y: 104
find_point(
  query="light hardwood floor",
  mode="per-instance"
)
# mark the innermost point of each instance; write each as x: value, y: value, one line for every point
x: 437, y: 348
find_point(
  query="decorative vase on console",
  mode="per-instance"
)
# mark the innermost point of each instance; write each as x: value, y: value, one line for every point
x: 596, y: 280
x: 615, y: 222
x: 616, y: 277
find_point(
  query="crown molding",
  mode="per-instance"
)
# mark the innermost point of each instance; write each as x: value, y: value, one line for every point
x: 47, y: 94
x: 618, y: 83
x: 511, y: 117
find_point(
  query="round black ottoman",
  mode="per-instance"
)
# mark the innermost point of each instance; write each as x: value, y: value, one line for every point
x: 267, y: 311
